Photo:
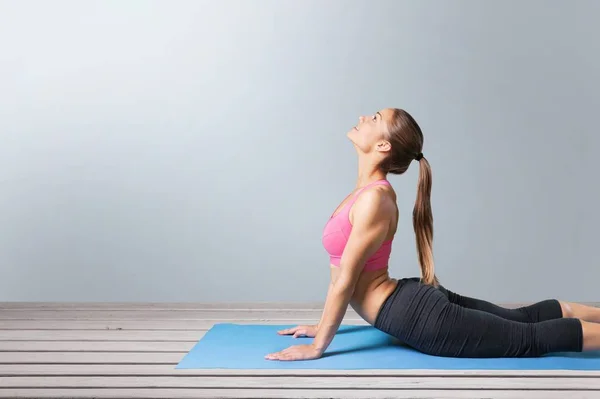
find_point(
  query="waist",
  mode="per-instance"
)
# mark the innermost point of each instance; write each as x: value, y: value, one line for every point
x: 371, y: 290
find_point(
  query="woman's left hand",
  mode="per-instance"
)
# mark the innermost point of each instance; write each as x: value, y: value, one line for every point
x: 296, y: 352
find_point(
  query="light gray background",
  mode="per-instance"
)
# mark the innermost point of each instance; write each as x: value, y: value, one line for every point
x: 193, y: 150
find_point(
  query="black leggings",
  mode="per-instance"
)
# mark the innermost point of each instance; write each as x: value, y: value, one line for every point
x: 439, y: 322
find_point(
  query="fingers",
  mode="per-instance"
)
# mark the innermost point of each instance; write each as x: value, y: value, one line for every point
x: 287, y: 331
x: 299, y: 333
x: 295, y: 352
x: 285, y: 354
x: 276, y: 356
x: 298, y: 329
x: 282, y: 356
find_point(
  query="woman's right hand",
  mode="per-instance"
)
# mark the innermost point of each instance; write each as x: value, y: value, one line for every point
x: 300, y: 331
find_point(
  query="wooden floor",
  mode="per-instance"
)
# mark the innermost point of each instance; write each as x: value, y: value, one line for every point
x: 62, y: 350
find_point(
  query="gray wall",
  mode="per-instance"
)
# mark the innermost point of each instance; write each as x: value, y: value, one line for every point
x: 193, y: 150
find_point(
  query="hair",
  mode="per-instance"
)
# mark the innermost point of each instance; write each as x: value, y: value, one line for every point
x: 406, y: 139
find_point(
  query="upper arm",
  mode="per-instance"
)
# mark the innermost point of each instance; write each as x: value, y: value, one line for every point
x: 372, y: 213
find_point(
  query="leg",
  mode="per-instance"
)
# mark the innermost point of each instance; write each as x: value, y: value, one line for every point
x: 591, y: 336
x: 424, y: 318
x: 541, y: 311
x: 579, y: 311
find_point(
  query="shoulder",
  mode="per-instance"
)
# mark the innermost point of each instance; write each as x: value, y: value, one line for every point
x: 375, y: 203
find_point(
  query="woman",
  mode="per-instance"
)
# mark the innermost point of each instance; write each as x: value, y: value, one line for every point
x: 420, y: 312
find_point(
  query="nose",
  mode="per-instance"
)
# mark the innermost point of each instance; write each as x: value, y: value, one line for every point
x: 361, y: 119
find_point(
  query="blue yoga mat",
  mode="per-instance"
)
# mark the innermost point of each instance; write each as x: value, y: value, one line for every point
x: 244, y: 346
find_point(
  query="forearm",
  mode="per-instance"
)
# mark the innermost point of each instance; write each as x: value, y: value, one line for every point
x: 333, y: 312
x: 327, y: 299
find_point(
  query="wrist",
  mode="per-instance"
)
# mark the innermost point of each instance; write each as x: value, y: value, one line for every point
x: 320, y: 343
x: 320, y: 349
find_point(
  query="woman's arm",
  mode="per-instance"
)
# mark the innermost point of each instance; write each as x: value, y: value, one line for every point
x: 372, y: 213
x: 327, y: 299
x: 306, y: 330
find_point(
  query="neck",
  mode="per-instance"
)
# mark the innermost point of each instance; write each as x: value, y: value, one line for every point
x: 368, y: 172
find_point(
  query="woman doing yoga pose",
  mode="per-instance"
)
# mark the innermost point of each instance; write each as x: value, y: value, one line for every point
x: 419, y: 311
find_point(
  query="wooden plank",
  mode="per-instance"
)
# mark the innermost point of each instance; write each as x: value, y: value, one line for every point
x: 91, y: 346
x: 192, y: 305
x: 89, y: 357
x: 161, y: 305
x: 212, y: 314
x: 142, y: 324
x: 371, y: 393
x: 150, y: 366
x: 100, y: 335
x: 299, y: 382
x: 169, y: 369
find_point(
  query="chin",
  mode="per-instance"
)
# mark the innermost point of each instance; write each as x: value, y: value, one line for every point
x: 352, y: 133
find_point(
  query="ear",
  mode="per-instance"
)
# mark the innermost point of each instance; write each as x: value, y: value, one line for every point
x: 384, y: 146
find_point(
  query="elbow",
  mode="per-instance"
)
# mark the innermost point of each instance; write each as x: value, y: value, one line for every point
x: 345, y: 287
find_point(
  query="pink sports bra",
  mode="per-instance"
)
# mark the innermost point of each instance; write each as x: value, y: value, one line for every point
x: 337, y: 231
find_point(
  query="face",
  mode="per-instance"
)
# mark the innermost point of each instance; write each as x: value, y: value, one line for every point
x: 371, y: 131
